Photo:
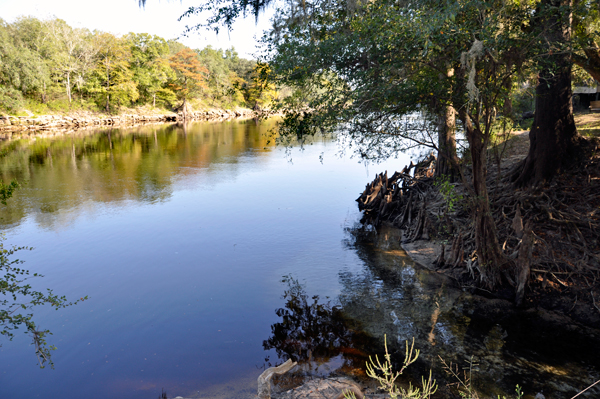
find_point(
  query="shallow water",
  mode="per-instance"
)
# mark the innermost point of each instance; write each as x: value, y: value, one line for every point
x: 182, y: 240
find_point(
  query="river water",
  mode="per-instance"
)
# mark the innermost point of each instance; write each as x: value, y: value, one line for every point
x: 208, y: 254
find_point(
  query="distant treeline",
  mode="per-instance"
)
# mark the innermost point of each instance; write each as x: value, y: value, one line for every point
x: 46, y: 65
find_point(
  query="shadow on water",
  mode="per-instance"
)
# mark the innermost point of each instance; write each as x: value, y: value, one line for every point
x: 318, y: 336
x: 541, y: 351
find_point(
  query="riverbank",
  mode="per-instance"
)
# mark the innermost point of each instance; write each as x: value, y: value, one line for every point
x: 564, y: 246
x: 130, y: 117
x: 559, y: 316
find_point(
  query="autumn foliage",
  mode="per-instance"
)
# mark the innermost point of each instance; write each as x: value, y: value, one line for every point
x: 191, y: 74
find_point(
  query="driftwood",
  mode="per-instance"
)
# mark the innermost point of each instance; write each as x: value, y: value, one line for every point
x: 264, y: 380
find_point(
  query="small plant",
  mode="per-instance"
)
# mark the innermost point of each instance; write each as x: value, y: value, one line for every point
x: 464, y: 383
x: 386, y: 377
x: 448, y: 191
x: 7, y: 190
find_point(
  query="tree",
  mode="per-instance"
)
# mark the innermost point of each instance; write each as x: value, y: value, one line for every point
x: 371, y: 65
x: 72, y: 53
x: 228, y: 76
x: 150, y: 67
x: 586, y: 24
x: 554, y: 141
x: 22, y: 71
x: 217, y: 77
x: 261, y: 89
x: 32, y: 35
x: 114, y: 78
x: 190, y: 75
x: 240, y: 66
x: 18, y: 299
x: 553, y: 136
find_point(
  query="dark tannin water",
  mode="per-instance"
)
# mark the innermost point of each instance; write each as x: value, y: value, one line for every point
x: 209, y: 254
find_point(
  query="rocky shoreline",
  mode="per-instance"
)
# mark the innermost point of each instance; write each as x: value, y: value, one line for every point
x: 20, y: 124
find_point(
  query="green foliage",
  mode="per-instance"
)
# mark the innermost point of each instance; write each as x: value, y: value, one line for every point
x: 7, y: 190
x: 523, y: 99
x: 113, y: 77
x: 51, y: 66
x: 260, y: 92
x: 376, y: 65
x: 11, y: 100
x: 150, y: 66
x: 18, y: 298
x: 218, y: 79
x: 230, y: 79
x: 22, y: 71
x: 448, y: 191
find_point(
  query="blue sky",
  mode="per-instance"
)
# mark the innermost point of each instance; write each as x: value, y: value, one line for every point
x: 119, y: 17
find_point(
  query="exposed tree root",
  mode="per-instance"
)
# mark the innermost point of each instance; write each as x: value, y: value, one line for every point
x: 550, y: 233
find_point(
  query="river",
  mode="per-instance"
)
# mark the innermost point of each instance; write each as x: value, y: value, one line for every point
x: 188, y: 241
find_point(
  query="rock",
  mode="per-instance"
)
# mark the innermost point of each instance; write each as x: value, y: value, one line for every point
x: 330, y: 388
x: 46, y: 122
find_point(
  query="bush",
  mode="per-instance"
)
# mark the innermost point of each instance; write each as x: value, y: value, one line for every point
x: 11, y: 100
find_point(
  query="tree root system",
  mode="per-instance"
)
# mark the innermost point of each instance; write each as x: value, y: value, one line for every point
x: 550, y: 234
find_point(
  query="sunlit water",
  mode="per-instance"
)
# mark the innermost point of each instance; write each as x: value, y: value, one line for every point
x: 181, y: 240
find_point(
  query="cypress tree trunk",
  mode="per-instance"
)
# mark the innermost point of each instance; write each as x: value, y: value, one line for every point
x: 447, y: 161
x: 554, y: 141
x: 489, y: 254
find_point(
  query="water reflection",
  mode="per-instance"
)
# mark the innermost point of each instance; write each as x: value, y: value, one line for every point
x: 389, y: 296
x: 537, y: 350
x: 180, y: 243
x: 316, y: 332
x: 318, y: 336
x: 180, y: 240
x: 116, y: 165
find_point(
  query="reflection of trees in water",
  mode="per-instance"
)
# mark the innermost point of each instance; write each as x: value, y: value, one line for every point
x: 311, y: 331
x: 113, y: 165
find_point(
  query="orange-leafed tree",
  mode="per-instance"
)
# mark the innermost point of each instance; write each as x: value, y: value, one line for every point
x: 190, y: 75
